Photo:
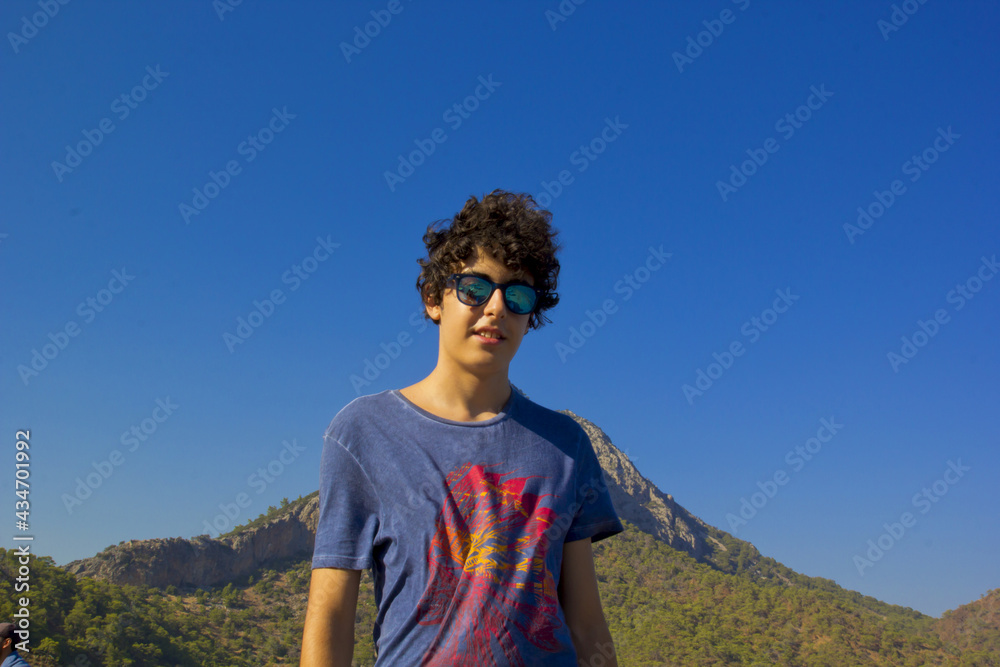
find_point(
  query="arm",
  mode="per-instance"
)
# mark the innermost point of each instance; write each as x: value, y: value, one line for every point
x: 581, y: 603
x: 328, y: 637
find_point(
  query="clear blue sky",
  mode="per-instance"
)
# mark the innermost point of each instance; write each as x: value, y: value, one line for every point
x: 309, y: 128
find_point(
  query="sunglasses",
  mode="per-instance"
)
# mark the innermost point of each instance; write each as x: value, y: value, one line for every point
x: 520, y: 298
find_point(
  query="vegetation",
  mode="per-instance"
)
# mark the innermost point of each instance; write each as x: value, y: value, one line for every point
x: 663, y: 607
x: 272, y: 513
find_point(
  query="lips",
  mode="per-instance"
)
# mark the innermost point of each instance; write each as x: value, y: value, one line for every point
x: 491, y: 331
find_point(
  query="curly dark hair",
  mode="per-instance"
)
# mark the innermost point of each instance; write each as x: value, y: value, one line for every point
x: 509, y: 226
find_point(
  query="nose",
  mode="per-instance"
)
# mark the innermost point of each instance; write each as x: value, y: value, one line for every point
x: 495, y: 304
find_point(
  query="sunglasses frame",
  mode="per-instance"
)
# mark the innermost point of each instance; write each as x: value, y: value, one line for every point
x: 455, y: 277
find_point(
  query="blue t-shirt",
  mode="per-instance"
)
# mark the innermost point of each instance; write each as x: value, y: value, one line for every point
x: 14, y: 660
x: 462, y: 525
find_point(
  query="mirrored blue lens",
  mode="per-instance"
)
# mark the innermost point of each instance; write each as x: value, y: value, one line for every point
x: 475, y: 291
x: 520, y: 298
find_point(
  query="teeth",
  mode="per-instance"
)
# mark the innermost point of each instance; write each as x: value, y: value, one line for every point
x: 487, y: 334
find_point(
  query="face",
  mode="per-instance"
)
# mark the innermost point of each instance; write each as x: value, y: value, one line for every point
x: 460, y: 346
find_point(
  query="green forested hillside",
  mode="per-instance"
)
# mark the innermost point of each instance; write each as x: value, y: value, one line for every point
x: 83, y: 621
x: 664, y: 608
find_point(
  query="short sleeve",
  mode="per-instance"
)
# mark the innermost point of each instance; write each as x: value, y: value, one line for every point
x: 596, y: 517
x: 348, y: 511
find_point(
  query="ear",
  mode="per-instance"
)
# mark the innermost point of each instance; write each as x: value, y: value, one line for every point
x: 433, y: 309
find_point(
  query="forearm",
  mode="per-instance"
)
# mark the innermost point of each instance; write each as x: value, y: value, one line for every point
x: 327, y: 641
x: 593, y: 643
x: 328, y: 635
x: 581, y: 602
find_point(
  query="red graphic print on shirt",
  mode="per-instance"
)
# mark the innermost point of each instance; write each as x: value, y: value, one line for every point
x: 489, y: 588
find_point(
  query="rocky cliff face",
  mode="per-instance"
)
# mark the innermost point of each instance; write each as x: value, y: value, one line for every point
x: 640, y: 502
x: 203, y: 561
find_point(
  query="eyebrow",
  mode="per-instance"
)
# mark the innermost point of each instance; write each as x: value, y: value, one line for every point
x: 520, y: 281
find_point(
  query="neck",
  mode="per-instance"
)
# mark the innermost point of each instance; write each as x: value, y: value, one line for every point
x: 468, y: 397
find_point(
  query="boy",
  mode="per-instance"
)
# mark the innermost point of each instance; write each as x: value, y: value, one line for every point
x: 474, y: 507
x: 10, y: 637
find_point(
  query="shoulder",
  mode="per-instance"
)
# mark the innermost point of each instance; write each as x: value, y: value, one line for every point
x: 553, y: 425
x: 360, y: 413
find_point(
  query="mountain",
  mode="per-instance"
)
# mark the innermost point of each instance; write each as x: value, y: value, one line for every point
x: 676, y: 591
x: 974, y: 625
x: 663, y: 608
x: 204, y: 561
